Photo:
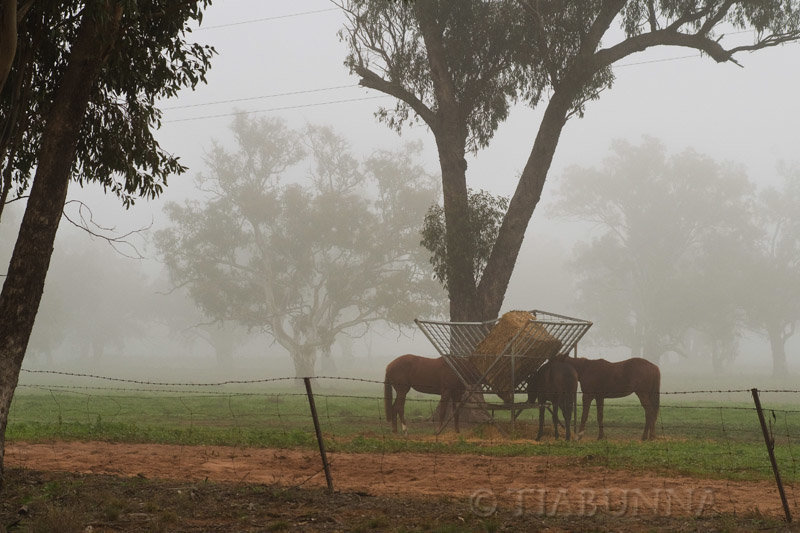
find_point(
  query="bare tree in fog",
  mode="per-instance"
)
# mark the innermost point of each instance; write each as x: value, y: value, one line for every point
x: 96, y: 300
x: 458, y: 66
x: 184, y: 321
x: 304, y: 262
x: 651, y: 278
x: 771, y: 292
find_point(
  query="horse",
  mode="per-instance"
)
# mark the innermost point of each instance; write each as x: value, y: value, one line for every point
x: 423, y: 374
x: 556, y: 382
x: 601, y: 379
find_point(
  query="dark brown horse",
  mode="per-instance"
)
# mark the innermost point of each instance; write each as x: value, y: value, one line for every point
x: 423, y: 374
x: 601, y: 379
x: 556, y: 382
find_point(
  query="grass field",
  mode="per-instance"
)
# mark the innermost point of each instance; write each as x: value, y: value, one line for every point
x: 704, y: 435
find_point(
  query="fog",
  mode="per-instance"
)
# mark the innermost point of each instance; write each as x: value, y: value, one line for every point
x: 742, y: 117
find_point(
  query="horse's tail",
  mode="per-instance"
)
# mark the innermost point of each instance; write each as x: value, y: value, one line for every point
x: 655, y: 395
x: 387, y: 400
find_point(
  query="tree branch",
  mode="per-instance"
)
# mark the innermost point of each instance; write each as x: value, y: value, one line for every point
x: 373, y: 81
x: 638, y: 43
x: 116, y: 242
x: 609, y: 10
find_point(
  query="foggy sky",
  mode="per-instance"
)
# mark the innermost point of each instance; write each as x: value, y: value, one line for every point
x: 745, y: 115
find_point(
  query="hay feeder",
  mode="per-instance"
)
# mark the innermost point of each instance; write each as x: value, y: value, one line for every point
x: 500, y: 356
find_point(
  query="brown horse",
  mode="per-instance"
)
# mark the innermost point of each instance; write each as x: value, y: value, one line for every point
x: 556, y: 382
x: 423, y: 374
x: 601, y: 379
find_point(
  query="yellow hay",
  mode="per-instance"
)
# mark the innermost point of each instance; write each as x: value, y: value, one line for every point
x: 532, y: 345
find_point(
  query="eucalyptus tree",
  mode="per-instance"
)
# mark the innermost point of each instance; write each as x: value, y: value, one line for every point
x: 771, y: 291
x: 11, y: 14
x: 653, y: 270
x: 79, y: 104
x: 299, y: 239
x: 458, y: 66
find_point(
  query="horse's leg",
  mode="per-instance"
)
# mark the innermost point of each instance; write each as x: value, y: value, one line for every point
x: 400, y: 407
x: 566, y: 409
x: 649, y: 401
x: 600, y: 435
x: 644, y: 399
x: 456, y: 409
x: 391, y: 413
x: 556, y: 402
x: 587, y: 405
x: 456, y: 402
x: 655, y: 402
x: 541, y: 421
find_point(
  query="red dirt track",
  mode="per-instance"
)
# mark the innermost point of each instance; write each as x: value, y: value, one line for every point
x: 549, y: 484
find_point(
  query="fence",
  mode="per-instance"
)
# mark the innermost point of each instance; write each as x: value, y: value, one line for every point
x: 709, y: 457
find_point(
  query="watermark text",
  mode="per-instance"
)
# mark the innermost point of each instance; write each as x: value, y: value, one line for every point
x: 582, y: 501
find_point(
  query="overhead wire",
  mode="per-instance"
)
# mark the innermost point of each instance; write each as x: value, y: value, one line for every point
x: 261, y: 97
x: 323, y: 89
x: 236, y: 113
x: 266, y: 19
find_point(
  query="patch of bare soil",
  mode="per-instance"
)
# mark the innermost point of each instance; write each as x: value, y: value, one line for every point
x: 484, y: 486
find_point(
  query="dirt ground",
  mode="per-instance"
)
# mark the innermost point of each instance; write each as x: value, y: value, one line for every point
x: 487, y: 486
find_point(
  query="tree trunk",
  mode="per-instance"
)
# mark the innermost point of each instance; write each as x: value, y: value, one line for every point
x: 450, y: 130
x: 777, y: 342
x: 473, y: 410
x: 717, y: 360
x: 8, y: 38
x: 24, y: 284
x: 327, y: 365
x: 500, y: 266
x: 460, y: 250
x: 652, y: 348
x: 304, y: 360
x: 98, y: 347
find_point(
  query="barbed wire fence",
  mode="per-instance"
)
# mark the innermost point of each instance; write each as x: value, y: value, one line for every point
x: 709, y: 457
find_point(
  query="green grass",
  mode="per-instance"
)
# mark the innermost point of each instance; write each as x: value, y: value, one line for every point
x: 699, y: 436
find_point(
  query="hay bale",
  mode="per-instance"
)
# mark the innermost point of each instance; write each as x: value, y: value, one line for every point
x: 516, y: 335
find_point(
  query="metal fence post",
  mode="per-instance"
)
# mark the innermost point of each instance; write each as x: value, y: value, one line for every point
x: 771, y: 451
x: 325, y: 464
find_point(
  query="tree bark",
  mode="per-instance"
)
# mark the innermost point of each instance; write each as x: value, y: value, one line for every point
x: 305, y: 360
x: 777, y: 342
x: 500, y: 266
x: 450, y: 130
x: 8, y: 38
x: 460, y: 275
x: 24, y: 284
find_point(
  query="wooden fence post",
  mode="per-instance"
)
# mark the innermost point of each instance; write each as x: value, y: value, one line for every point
x: 771, y: 451
x: 325, y: 464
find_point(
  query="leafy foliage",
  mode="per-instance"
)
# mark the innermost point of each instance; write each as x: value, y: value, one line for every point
x: 485, y: 48
x: 485, y: 216
x: 152, y: 59
x: 459, y: 66
x: 303, y: 262
x: 771, y: 265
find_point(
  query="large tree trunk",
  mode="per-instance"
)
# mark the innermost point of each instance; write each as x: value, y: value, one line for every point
x: 450, y: 129
x: 500, y: 266
x: 24, y: 284
x: 777, y: 342
x: 8, y: 38
x: 305, y: 360
x: 497, y: 274
x: 460, y: 251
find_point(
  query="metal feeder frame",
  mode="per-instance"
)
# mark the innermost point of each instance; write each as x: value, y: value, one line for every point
x: 456, y: 342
